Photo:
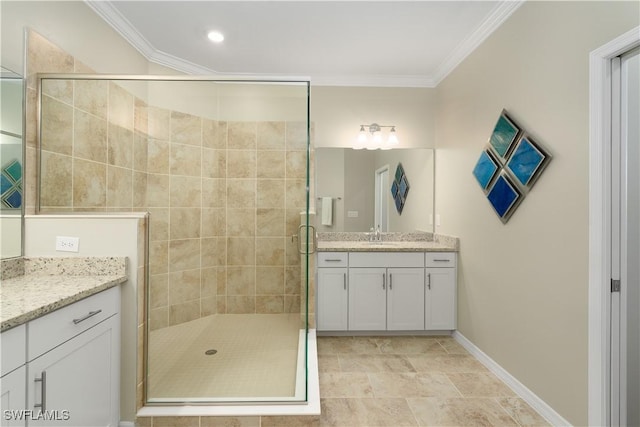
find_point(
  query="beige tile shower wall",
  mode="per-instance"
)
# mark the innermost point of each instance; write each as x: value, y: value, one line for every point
x: 221, y: 239
x: 224, y: 198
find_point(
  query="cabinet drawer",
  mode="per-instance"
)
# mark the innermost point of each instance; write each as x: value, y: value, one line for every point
x: 386, y: 259
x: 440, y: 259
x: 13, y: 343
x: 332, y: 259
x: 59, y: 326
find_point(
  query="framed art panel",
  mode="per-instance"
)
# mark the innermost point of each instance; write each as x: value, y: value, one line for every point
x: 504, y: 197
x: 505, y: 134
x: 485, y: 169
x: 404, y: 187
x: 527, y: 161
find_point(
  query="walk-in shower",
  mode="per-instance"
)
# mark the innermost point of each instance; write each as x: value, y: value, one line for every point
x: 222, y: 167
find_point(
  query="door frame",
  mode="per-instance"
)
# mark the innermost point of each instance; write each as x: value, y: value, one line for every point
x: 600, y: 128
x: 379, y: 201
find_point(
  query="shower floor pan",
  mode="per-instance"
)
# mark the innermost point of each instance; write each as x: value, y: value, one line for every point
x: 225, y: 358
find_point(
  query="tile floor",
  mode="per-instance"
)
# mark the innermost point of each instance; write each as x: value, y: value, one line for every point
x: 394, y: 381
x: 412, y: 381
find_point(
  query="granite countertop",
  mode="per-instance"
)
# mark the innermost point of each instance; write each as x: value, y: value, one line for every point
x: 388, y: 246
x: 52, y: 283
x: 390, y: 242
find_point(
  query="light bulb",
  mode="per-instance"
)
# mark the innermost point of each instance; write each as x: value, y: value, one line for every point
x: 377, y: 138
x: 215, y: 36
x: 362, y: 135
x: 393, y: 137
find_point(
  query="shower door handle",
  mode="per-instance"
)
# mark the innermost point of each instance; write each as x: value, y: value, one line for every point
x: 313, y: 241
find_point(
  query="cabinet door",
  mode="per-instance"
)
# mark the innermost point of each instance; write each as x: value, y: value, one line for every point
x: 81, y: 386
x: 405, y: 299
x: 367, y: 299
x: 13, y: 397
x: 440, y: 299
x: 332, y: 299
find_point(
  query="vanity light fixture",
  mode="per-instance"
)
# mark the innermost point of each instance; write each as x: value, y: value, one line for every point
x: 370, y: 137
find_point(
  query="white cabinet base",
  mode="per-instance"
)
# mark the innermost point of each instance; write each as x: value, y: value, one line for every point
x: 13, y: 392
x: 81, y: 380
x: 386, y: 292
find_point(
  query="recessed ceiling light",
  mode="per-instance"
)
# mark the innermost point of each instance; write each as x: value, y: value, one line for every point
x: 215, y: 36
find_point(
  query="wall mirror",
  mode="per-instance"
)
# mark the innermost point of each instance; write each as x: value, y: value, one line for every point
x: 11, y: 162
x: 352, y: 178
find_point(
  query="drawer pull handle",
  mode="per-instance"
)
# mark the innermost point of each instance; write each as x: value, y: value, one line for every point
x: 441, y: 260
x: 344, y: 277
x: 429, y: 280
x: 90, y: 314
x: 332, y: 260
x: 43, y: 389
x: 390, y: 281
x: 384, y: 281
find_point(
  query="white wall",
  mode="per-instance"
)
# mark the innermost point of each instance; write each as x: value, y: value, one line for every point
x: 100, y: 235
x: 522, y: 296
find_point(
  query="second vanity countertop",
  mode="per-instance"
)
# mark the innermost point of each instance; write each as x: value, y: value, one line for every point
x: 359, y: 246
x: 52, y: 283
x: 392, y: 242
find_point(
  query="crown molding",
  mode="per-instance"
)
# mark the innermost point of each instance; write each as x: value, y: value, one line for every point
x: 113, y: 17
x: 500, y: 13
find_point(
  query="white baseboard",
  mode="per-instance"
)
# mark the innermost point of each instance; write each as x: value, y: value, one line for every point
x: 539, y: 405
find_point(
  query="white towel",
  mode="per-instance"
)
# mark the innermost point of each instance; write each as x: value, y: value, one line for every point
x: 327, y: 211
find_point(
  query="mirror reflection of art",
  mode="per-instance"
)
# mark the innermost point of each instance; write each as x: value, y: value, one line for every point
x: 486, y: 169
x: 11, y: 185
x: 527, y: 161
x: 505, y: 134
x: 400, y: 188
x: 504, y: 197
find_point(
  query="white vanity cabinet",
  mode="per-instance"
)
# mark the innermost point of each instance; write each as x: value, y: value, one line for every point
x: 332, y: 291
x: 63, y: 368
x: 386, y: 291
x: 440, y: 293
x: 14, y: 373
x: 74, y: 363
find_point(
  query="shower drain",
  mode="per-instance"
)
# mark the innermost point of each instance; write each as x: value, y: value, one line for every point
x: 210, y: 352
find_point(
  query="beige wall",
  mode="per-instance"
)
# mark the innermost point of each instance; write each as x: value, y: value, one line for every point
x: 337, y: 113
x: 70, y: 24
x: 523, y: 286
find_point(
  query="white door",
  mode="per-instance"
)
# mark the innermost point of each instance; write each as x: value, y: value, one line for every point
x: 13, y: 397
x: 625, y: 241
x: 440, y: 299
x: 367, y: 299
x: 332, y: 299
x: 381, y: 214
x: 405, y: 299
x: 80, y: 386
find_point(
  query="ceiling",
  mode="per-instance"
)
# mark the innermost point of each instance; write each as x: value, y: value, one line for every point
x: 354, y: 43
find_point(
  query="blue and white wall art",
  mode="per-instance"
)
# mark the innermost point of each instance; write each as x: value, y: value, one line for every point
x: 509, y: 166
